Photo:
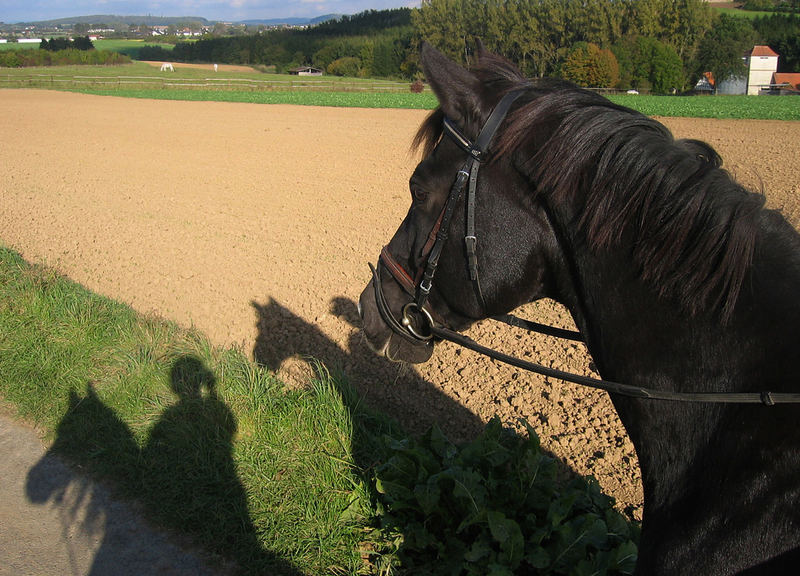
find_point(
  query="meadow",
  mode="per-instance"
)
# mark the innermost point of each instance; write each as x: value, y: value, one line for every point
x: 200, y: 83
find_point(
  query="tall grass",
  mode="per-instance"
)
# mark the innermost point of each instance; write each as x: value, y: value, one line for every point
x: 210, y: 444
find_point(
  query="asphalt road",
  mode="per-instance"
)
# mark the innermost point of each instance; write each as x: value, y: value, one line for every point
x: 54, y: 521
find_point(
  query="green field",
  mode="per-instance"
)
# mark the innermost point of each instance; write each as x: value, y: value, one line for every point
x: 18, y: 46
x: 143, y: 80
x: 721, y: 106
x: 749, y: 14
x: 129, y: 47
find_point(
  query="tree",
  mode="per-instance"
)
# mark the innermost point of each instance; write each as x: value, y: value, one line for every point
x: 347, y: 66
x: 723, y: 47
x: 781, y: 32
x: 588, y: 65
x: 82, y: 43
x: 647, y: 64
x: 442, y: 23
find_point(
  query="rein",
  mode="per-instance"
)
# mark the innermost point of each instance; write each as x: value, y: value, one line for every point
x: 765, y: 398
x: 418, y: 326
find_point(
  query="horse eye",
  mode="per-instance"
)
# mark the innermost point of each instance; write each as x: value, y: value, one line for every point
x: 420, y: 195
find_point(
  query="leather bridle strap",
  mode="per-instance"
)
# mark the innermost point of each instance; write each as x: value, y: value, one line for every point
x: 478, y: 153
x: 398, y: 272
x: 420, y: 287
x: 765, y: 398
x: 426, y: 282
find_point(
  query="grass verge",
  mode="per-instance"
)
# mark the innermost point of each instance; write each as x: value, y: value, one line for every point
x: 211, y: 444
x: 310, y: 97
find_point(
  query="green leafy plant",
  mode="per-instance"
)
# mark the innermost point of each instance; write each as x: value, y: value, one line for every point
x: 496, y: 507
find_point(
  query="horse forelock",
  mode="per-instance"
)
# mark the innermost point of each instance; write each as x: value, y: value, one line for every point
x: 429, y: 133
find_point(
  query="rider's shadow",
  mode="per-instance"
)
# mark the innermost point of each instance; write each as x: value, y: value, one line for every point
x: 398, y: 390
x: 89, y: 435
x: 193, y: 441
x: 184, y: 476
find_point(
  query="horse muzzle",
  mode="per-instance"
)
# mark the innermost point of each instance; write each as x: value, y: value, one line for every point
x: 382, y: 332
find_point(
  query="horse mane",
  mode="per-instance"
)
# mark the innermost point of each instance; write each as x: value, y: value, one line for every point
x: 690, y: 226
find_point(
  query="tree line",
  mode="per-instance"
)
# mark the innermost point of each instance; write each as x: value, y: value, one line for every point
x: 370, y: 44
x: 660, y: 46
x: 63, y: 43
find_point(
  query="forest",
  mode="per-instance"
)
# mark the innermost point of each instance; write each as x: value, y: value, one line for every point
x: 659, y: 46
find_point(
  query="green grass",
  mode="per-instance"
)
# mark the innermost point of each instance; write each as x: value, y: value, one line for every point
x: 739, y: 13
x: 722, y: 106
x: 142, y: 80
x: 210, y: 443
x: 18, y: 46
x: 129, y: 47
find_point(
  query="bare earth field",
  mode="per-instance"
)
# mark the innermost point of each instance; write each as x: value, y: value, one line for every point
x: 255, y: 224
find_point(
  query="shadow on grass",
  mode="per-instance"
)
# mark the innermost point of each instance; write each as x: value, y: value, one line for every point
x: 434, y: 492
x: 390, y: 389
x: 184, y: 476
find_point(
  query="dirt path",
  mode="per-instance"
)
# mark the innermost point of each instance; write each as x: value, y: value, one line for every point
x: 255, y: 224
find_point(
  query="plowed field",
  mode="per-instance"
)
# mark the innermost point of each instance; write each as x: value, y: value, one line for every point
x: 255, y: 224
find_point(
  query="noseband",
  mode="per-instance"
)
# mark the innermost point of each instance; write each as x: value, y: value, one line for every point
x: 418, y: 326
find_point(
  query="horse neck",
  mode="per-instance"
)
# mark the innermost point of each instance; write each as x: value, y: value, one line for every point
x: 694, y: 457
x: 639, y: 338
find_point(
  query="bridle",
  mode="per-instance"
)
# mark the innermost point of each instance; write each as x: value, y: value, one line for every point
x: 419, y: 287
x: 418, y: 326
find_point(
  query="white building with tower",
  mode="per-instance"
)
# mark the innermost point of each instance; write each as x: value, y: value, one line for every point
x: 762, y: 63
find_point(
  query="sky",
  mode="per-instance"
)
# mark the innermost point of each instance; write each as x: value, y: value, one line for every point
x: 233, y: 10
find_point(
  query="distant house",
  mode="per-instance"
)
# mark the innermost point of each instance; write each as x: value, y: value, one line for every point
x: 762, y: 63
x: 762, y: 77
x: 706, y: 84
x: 306, y: 71
x: 786, y: 83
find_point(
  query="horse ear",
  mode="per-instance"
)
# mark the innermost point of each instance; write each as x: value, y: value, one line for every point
x: 457, y: 89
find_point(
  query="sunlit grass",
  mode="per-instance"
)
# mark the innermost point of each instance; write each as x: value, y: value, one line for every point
x: 211, y: 444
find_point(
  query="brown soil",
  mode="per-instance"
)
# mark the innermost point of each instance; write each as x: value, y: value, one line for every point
x: 255, y: 224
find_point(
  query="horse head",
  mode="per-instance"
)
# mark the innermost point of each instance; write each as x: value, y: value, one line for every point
x: 461, y: 253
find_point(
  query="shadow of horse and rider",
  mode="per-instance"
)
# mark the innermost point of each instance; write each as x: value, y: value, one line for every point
x: 190, y: 444
x: 193, y: 438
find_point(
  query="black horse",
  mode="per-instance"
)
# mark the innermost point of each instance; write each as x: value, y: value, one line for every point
x: 677, y: 277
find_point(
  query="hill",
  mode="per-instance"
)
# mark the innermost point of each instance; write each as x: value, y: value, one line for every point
x: 112, y: 19
x: 292, y: 21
